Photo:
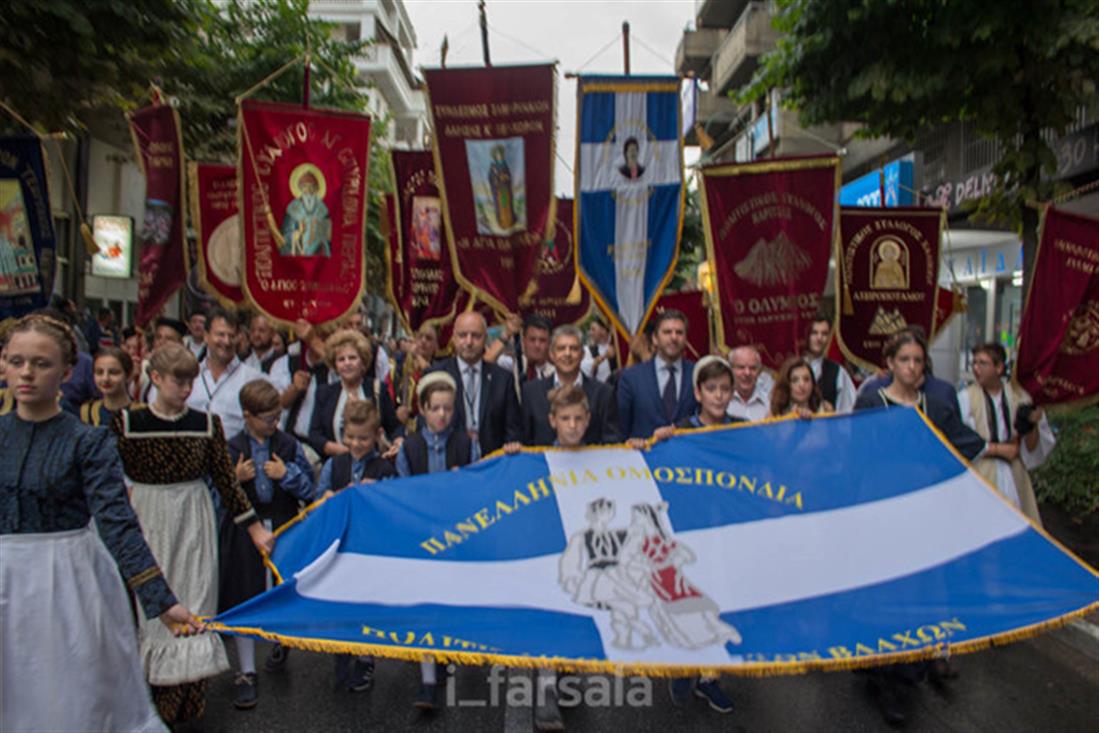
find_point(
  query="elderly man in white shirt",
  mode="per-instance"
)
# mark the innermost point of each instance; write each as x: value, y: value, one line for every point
x: 751, y: 385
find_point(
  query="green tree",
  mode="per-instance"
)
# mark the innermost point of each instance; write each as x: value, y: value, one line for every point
x: 692, y: 247
x: 243, y: 43
x: 62, y: 58
x: 1015, y: 70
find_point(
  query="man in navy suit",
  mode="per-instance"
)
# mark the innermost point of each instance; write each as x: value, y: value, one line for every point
x: 487, y: 406
x: 658, y: 392
x: 566, y: 352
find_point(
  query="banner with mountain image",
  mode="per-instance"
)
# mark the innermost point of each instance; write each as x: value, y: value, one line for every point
x: 1058, y: 358
x: 493, y: 143
x: 887, y: 277
x: 770, y: 228
x: 710, y: 551
x: 303, y: 180
x: 217, y: 230
x: 28, y: 247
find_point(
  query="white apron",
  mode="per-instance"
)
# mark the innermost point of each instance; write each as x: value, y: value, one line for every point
x: 179, y: 524
x: 68, y: 652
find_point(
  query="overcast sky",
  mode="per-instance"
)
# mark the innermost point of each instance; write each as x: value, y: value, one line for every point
x: 570, y: 32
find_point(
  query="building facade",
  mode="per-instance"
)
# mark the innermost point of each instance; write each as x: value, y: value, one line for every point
x: 950, y: 166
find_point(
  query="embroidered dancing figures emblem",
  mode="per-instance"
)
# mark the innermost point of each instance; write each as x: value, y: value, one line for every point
x: 625, y: 571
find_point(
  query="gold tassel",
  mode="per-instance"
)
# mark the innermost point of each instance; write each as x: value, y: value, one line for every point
x: 89, y: 241
x: 574, y: 293
x: 528, y: 295
x: 848, y: 306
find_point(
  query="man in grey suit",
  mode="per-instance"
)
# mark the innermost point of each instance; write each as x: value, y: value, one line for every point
x: 566, y: 352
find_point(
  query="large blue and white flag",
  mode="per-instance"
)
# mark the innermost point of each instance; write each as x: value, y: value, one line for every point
x: 629, y: 191
x: 777, y: 547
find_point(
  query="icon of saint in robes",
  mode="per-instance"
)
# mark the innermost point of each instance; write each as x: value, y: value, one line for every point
x: 889, y: 272
x: 306, y: 228
x: 499, y: 181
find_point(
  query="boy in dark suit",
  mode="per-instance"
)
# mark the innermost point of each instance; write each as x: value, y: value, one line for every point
x: 276, y: 476
x: 362, y: 426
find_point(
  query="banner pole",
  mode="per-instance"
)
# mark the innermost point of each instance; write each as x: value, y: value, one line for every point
x: 305, y: 79
x: 484, y: 32
x: 626, y: 46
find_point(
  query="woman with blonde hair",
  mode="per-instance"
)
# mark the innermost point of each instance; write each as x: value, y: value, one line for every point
x: 168, y: 451
x: 348, y: 353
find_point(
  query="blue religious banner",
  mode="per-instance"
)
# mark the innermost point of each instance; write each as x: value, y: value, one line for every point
x: 629, y: 191
x: 27, y: 243
x: 709, y: 551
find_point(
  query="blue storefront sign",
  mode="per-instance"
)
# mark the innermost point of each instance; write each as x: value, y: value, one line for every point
x: 898, y: 186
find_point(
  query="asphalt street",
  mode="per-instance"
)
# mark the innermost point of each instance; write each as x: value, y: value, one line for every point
x: 1050, y: 683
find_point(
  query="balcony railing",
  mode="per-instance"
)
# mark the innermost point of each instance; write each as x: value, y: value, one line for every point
x: 737, y: 58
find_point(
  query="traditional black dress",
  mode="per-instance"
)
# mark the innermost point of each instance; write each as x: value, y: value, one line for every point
x: 167, y: 462
x: 64, y: 614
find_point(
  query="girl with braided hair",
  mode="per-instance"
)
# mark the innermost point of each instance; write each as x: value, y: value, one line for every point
x: 64, y: 603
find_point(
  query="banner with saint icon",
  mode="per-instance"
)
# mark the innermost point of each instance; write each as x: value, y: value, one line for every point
x: 162, y: 268
x: 27, y: 242
x: 217, y: 230
x: 421, y: 279
x: 493, y: 146
x: 560, y: 297
x: 302, y: 194
x: 629, y: 192
x: 1058, y: 357
x: 769, y: 231
x: 887, y: 277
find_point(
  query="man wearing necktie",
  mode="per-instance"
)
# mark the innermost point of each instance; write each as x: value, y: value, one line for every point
x: 658, y: 392
x: 487, y: 406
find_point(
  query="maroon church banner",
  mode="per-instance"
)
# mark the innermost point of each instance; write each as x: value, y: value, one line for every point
x: 162, y: 268
x: 421, y: 276
x: 1058, y: 359
x: 217, y: 230
x: 303, y: 180
x: 560, y: 296
x: 493, y: 147
x: 887, y: 274
x: 769, y: 230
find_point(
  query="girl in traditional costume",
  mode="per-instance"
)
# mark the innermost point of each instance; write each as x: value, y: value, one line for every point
x: 168, y: 450
x: 64, y: 604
